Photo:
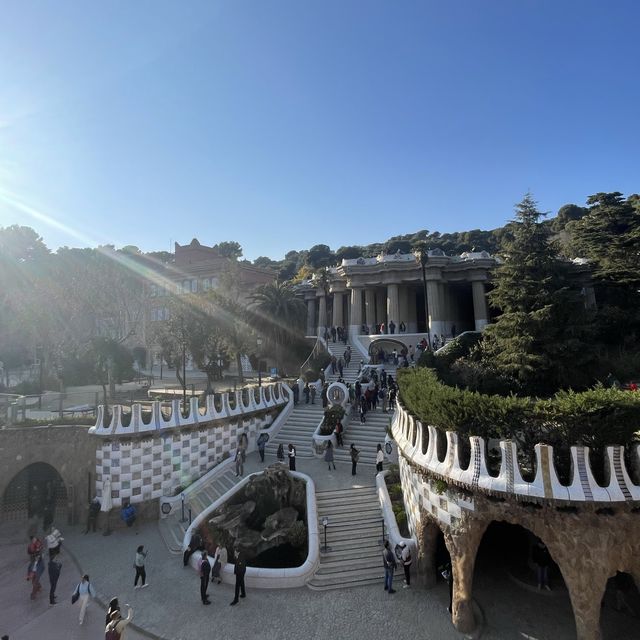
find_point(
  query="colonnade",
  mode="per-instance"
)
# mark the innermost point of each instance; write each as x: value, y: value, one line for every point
x: 447, y: 309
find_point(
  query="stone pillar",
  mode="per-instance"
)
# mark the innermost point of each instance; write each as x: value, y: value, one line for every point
x: 585, y: 569
x: 311, y: 317
x: 356, y: 311
x: 338, y: 315
x: 393, y: 307
x: 463, y: 548
x: 381, y: 307
x: 322, y: 315
x: 370, y: 309
x: 480, y: 308
x: 412, y: 313
x: 434, y: 303
x: 403, y: 307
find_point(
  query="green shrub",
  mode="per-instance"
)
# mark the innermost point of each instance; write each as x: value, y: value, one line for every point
x: 331, y: 418
x: 297, y: 535
x: 596, y: 418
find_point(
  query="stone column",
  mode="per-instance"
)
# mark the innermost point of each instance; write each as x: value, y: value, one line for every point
x: 311, y: 317
x: 463, y: 549
x: 338, y: 315
x: 370, y: 308
x: 412, y: 314
x: 322, y: 315
x: 403, y: 307
x: 356, y: 311
x: 393, y: 307
x: 426, y: 571
x: 434, y: 303
x: 381, y: 307
x: 480, y: 309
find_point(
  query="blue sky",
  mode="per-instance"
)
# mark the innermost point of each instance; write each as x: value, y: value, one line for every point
x: 283, y: 124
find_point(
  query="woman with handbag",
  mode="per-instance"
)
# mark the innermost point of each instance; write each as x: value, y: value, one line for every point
x: 84, y: 591
x: 220, y: 558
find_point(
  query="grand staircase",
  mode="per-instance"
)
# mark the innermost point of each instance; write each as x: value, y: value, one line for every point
x: 353, y: 536
x: 172, y: 529
x: 298, y: 429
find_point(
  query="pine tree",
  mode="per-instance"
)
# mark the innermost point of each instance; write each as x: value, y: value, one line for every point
x: 539, y: 338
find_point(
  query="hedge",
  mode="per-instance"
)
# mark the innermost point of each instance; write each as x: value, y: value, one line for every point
x: 595, y: 418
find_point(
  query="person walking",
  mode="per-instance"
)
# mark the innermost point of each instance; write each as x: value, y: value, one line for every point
x: 306, y: 390
x: 138, y: 564
x: 220, y: 558
x: 239, y: 460
x: 205, y: 570
x: 116, y: 626
x: 313, y: 393
x: 262, y: 443
x: 379, y: 458
x: 355, y: 456
x: 55, y: 566
x: 292, y: 458
x: 328, y: 455
x: 390, y: 565
x: 34, y: 573
x: 406, y: 564
x: 239, y: 570
x: 85, y: 592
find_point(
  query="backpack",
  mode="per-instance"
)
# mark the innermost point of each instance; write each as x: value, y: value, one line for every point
x: 111, y: 634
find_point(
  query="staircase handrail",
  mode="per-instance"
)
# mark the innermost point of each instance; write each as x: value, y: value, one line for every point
x: 318, y: 347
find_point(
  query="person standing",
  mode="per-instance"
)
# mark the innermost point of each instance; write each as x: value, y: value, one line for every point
x: 35, y: 571
x: 141, y: 554
x: 306, y: 390
x: 328, y: 455
x: 54, y: 574
x: 542, y: 560
x: 116, y: 626
x: 114, y: 605
x: 54, y: 542
x: 338, y: 431
x: 92, y: 518
x: 239, y: 570
x: 355, y: 456
x: 239, y: 459
x: 220, y: 558
x: 379, y: 459
x: 280, y: 453
x: 262, y: 443
x: 314, y: 389
x: 406, y: 564
x: 85, y: 591
x: 292, y: 458
x: 390, y: 565
x: 205, y: 570
x: 195, y: 544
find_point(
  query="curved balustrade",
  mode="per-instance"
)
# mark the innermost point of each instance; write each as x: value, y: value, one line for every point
x: 420, y: 444
x: 218, y: 407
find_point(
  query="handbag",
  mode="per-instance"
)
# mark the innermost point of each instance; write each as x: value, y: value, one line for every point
x: 75, y: 595
x: 215, y: 571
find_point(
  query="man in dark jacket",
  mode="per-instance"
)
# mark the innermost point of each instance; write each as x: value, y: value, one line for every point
x: 205, y: 571
x: 195, y: 544
x: 54, y: 573
x: 239, y: 570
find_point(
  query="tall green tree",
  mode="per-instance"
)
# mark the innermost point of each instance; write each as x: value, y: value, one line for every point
x: 279, y: 315
x: 539, y: 337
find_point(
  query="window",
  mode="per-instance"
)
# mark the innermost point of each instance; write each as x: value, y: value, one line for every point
x: 194, y: 285
x: 186, y: 286
x: 206, y: 284
x: 153, y: 290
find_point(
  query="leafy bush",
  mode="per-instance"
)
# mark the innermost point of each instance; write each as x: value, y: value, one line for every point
x: 297, y: 535
x: 331, y: 418
x: 596, y: 418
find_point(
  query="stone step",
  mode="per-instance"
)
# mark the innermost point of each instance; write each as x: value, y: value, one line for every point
x: 343, y: 579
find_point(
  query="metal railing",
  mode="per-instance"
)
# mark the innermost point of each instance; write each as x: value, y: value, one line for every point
x: 16, y: 409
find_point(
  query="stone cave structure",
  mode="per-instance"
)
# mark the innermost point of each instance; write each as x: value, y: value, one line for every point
x: 591, y: 531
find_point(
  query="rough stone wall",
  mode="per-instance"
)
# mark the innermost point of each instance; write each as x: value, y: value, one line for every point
x: 68, y: 449
x: 589, y: 544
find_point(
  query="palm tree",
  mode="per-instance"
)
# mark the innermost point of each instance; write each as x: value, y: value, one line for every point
x: 279, y: 314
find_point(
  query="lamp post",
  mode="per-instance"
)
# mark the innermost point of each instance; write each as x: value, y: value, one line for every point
x: 184, y: 375
x: 259, y: 343
x: 325, y: 524
x: 220, y: 365
x: 422, y: 256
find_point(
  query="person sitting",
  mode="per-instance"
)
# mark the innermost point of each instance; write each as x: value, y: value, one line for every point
x: 128, y: 514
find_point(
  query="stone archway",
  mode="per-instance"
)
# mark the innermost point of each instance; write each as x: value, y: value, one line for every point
x: 36, y: 492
